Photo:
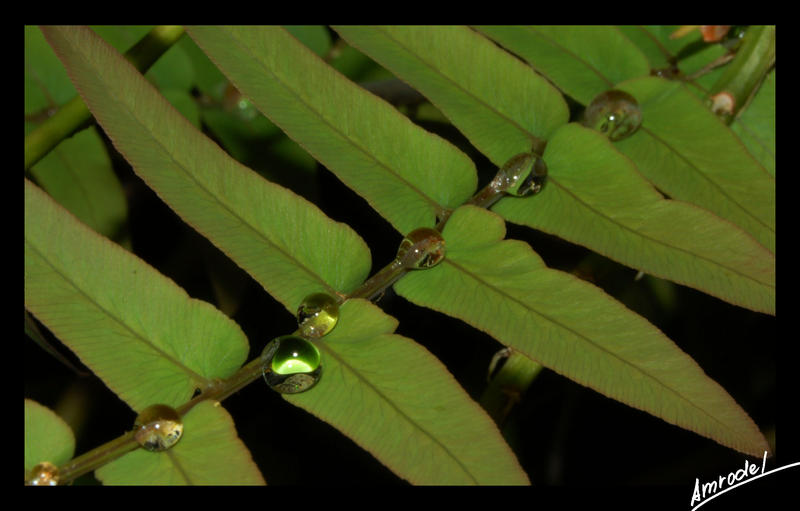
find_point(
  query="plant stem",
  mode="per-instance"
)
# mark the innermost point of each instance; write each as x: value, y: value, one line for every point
x: 221, y: 389
x: 487, y: 197
x: 377, y: 284
x: 74, y: 115
x: 747, y: 71
x: 98, y: 457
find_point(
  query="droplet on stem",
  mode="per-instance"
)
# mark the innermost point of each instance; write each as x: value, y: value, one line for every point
x: 614, y: 113
x: 43, y: 474
x: 291, y: 364
x: 317, y: 315
x: 523, y: 174
x: 158, y: 428
x: 421, y: 248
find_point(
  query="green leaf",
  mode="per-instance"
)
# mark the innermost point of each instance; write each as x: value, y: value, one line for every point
x: 595, y: 197
x: 79, y: 176
x: 407, y: 174
x: 47, y: 436
x: 78, y: 172
x: 398, y: 402
x: 503, y: 288
x: 689, y: 154
x: 756, y: 125
x: 209, y: 452
x: 287, y: 244
x: 138, y: 331
x: 582, y: 61
x: 499, y: 103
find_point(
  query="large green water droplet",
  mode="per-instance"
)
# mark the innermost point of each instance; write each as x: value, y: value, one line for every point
x: 614, y: 113
x: 317, y: 315
x: 421, y: 248
x: 524, y: 174
x: 158, y: 428
x: 43, y: 474
x: 291, y: 364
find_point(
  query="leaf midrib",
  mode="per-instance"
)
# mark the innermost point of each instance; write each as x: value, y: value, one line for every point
x: 657, y: 241
x: 569, y: 52
x: 438, y: 208
x: 504, y: 294
x: 184, y: 169
x: 326, y: 348
x: 192, y: 375
x: 720, y: 189
x: 441, y: 72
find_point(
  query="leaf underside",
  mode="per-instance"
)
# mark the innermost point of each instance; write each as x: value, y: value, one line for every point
x: 408, y: 175
x: 503, y: 288
x: 400, y: 403
x: 136, y: 329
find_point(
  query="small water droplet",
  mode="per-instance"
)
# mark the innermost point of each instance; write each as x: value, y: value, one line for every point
x: 317, y: 315
x: 523, y: 174
x: 291, y: 364
x: 158, y: 428
x: 43, y: 474
x: 614, y: 113
x: 421, y: 248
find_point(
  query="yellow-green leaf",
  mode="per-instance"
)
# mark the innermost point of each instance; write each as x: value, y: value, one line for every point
x: 407, y: 174
x: 47, y: 436
x: 400, y: 403
x: 595, y: 197
x: 573, y: 328
x: 134, y: 328
x: 498, y: 102
x: 286, y: 243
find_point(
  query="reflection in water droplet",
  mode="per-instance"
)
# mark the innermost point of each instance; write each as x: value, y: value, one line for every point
x: 291, y: 364
x: 317, y: 315
x: 523, y: 174
x: 158, y: 428
x: 43, y: 474
x: 421, y: 248
x: 615, y: 113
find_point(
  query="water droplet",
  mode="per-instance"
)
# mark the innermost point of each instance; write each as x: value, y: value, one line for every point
x: 524, y: 174
x: 614, y: 113
x: 291, y: 364
x: 43, y: 474
x: 158, y: 428
x: 317, y: 315
x: 421, y: 248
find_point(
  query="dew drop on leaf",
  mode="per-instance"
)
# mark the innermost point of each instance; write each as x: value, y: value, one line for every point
x: 421, y: 248
x: 43, y: 474
x: 524, y: 174
x: 614, y: 113
x: 291, y: 364
x: 317, y: 315
x: 158, y: 428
